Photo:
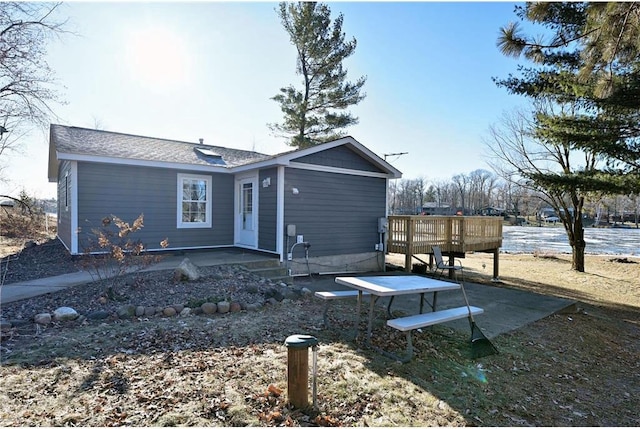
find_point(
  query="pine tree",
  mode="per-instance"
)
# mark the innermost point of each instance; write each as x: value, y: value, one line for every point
x: 587, y: 81
x: 593, y: 60
x: 315, y: 113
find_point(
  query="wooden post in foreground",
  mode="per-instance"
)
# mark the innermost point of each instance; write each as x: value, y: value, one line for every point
x: 298, y: 368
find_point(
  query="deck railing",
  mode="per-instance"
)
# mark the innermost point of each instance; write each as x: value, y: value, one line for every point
x: 415, y: 235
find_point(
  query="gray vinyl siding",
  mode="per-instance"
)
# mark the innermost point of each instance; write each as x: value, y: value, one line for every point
x: 339, y: 157
x: 336, y: 213
x: 64, y: 203
x: 267, y: 210
x: 128, y: 191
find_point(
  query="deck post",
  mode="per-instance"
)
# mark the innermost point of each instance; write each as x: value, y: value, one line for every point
x: 496, y: 265
x: 408, y: 257
x: 452, y: 263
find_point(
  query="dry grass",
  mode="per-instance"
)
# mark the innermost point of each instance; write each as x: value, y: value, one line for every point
x: 16, y: 226
x: 608, y: 280
x: 605, y: 282
x: 577, y: 369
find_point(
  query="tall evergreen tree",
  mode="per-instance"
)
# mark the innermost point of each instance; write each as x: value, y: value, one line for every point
x: 315, y: 112
x: 588, y: 69
x: 592, y: 58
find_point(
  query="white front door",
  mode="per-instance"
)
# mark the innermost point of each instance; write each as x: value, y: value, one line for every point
x: 246, y: 215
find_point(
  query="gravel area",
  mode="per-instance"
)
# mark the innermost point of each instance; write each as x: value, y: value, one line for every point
x: 46, y: 259
x: 149, y: 289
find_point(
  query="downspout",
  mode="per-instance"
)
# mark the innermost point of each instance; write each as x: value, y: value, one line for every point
x: 280, y: 248
x: 74, y: 208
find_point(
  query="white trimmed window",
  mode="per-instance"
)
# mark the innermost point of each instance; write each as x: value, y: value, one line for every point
x: 194, y: 201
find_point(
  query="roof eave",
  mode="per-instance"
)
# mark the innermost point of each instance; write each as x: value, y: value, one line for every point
x: 142, y: 162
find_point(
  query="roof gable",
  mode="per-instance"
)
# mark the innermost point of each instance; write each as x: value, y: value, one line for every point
x: 348, y: 149
x: 340, y: 157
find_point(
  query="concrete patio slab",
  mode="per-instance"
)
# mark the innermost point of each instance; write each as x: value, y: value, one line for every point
x: 504, y: 309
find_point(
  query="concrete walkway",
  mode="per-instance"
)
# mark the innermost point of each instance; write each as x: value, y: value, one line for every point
x: 505, y: 309
x: 22, y: 290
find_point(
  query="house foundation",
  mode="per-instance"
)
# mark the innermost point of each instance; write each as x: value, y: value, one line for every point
x: 338, y: 264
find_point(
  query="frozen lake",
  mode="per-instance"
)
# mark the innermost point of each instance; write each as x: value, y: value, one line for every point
x: 600, y: 241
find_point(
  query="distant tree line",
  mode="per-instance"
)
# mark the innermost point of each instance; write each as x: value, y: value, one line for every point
x: 482, y: 192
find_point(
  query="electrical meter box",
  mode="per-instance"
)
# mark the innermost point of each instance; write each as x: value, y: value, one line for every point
x: 383, y: 225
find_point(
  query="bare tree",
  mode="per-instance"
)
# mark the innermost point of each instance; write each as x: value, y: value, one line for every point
x: 408, y: 196
x: 27, y: 86
x: 440, y: 189
x: 461, y: 183
x: 481, y: 186
x: 546, y: 166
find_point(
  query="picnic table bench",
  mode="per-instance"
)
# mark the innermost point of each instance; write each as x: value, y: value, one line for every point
x: 392, y: 286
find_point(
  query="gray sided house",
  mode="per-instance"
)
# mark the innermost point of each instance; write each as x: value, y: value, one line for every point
x: 204, y: 197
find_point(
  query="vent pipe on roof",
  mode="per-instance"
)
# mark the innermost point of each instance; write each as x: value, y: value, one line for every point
x: 201, y: 140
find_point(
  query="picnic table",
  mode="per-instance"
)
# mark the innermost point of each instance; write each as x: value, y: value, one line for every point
x: 392, y: 286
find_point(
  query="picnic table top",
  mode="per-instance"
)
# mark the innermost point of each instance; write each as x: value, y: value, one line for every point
x: 396, y: 285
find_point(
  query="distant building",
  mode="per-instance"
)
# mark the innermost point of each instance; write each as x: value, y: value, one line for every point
x: 432, y: 208
x: 492, y: 211
x: 547, y: 212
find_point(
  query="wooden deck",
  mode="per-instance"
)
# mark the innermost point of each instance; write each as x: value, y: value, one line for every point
x: 456, y: 235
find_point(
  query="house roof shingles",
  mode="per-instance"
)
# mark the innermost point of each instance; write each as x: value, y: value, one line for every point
x: 83, y: 141
x: 75, y: 143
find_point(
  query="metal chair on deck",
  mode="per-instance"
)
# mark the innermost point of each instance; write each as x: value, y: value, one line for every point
x: 441, y: 265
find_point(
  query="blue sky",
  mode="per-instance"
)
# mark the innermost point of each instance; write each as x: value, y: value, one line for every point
x: 208, y: 69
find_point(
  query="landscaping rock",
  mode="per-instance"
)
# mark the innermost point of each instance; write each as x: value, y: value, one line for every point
x: 235, y: 307
x: 223, y: 307
x: 139, y: 311
x: 252, y: 307
x: 275, y: 294
x: 29, y: 244
x: 305, y: 291
x: 169, y: 312
x: 187, y: 270
x: 209, y: 308
x: 65, y: 313
x: 290, y: 294
x: 42, y: 318
x: 98, y: 315
x: 185, y: 312
x: 126, y: 311
x: 272, y: 301
x: 149, y: 311
x: 178, y: 307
